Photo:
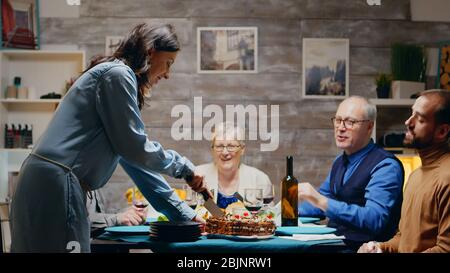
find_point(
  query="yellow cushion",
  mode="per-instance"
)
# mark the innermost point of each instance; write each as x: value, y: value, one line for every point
x: 410, y: 163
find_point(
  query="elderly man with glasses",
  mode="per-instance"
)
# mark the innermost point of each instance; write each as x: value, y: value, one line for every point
x: 362, y: 194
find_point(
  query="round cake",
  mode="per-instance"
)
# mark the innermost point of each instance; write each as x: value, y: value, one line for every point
x: 241, y: 225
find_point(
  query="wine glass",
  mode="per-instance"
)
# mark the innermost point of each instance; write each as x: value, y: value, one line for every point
x: 253, y: 199
x: 191, y: 197
x: 269, y: 195
x: 139, y: 200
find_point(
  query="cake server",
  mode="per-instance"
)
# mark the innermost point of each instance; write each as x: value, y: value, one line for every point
x: 211, y: 206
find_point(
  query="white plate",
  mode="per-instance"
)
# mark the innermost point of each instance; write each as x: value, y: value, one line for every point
x: 253, y: 237
x: 239, y: 237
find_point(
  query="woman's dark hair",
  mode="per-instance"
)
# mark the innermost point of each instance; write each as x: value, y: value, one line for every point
x: 133, y: 51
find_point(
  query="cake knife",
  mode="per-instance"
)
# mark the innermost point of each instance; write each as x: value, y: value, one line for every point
x: 211, y: 206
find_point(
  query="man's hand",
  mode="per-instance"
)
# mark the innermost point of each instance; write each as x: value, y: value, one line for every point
x: 370, y: 247
x: 306, y: 192
x: 133, y: 216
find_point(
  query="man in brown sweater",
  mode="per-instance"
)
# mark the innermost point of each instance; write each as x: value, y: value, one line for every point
x: 425, y: 217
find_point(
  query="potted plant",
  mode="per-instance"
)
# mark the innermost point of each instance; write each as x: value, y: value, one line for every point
x: 408, y: 65
x: 383, y: 82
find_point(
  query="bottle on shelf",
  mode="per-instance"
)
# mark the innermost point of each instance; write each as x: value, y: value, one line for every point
x: 14, y: 136
x: 289, y: 196
x: 28, y: 136
x: 6, y: 136
x: 17, y: 137
x: 17, y: 81
x: 23, y: 136
x: 9, y: 142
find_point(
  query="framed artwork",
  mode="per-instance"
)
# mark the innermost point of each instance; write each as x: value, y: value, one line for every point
x: 227, y: 49
x: 443, y: 81
x: 325, y: 68
x: 20, y: 24
x: 111, y: 44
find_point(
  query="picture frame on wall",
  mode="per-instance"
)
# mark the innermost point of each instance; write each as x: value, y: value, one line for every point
x: 227, y: 50
x: 443, y: 80
x: 325, y: 72
x: 111, y: 44
x: 20, y: 24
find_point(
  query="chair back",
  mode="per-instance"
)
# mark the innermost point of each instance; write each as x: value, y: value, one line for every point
x: 5, y: 232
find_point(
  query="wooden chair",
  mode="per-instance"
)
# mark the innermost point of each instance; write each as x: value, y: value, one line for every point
x: 5, y: 232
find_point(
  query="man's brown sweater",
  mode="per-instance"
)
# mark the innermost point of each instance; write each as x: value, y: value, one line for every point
x: 425, y: 218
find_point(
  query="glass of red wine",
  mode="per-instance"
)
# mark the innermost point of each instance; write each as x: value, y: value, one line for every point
x: 269, y: 196
x: 253, y: 200
x: 191, y: 198
x: 139, y: 200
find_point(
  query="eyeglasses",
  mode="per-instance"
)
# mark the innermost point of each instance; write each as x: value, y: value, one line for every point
x: 348, y: 123
x: 230, y: 148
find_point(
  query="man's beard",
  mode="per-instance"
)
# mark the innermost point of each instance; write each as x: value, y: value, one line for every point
x: 411, y: 144
x: 416, y: 143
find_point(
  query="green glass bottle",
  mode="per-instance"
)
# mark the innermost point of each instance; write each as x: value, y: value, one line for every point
x: 289, y: 196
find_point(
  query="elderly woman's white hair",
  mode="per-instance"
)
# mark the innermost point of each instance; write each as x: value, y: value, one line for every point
x: 228, y: 130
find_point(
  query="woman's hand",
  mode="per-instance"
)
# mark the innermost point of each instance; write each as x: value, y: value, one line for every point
x: 200, y: 220
x: 196, y: 182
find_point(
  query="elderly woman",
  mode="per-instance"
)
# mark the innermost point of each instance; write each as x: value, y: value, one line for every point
x: 227, y: 175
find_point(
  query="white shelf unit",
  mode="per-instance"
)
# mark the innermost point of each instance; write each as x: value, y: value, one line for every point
x: 392, y: 102
x: 45, y: 71
x: 29, y: 101
x: 389, y: 103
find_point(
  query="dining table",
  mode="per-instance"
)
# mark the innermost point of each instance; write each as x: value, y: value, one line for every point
x: 284, y: 240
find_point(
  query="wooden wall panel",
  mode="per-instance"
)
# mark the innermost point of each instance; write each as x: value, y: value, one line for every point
x: 305, y: 127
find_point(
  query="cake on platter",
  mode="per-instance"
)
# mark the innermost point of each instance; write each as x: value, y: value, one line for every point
x: 245, y: 224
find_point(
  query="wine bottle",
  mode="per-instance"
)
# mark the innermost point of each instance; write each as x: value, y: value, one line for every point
x: 18, y: 137
x: 289, y: 196
x: 28, y: 137
x: 6, y: 136
x: 10, y: 137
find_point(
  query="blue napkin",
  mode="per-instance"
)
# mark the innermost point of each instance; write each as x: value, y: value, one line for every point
x: 128, y: 230
x: 307, y: 220
x: 151, y: 219
x: 289, y: 231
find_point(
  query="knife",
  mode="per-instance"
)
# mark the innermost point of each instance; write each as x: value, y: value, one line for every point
x: 211, y: 206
